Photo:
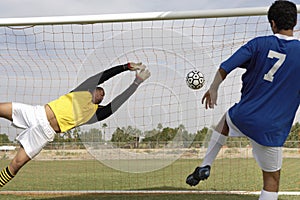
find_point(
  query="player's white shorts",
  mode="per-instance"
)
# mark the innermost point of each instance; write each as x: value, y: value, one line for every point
x: 38, y: 131
x: 268, y: 158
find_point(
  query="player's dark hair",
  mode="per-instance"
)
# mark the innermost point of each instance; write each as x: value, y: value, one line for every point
x: 284, y: 14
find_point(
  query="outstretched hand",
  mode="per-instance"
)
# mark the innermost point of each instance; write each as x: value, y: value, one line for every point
x: 136, y: 66
x: 143, y: 74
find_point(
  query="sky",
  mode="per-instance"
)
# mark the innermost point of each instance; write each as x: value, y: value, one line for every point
x: 37, y: 8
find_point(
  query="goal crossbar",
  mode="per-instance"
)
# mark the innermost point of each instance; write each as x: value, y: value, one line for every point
x: 130, y: 17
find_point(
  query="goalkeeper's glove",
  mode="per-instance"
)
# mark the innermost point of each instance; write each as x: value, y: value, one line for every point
x: 136, y: 66
x: 142, y: 75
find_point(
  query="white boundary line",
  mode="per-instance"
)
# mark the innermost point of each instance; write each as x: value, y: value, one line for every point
x: 70, y: 192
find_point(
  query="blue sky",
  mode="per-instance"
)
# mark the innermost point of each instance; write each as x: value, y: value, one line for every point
x: 35, y: 8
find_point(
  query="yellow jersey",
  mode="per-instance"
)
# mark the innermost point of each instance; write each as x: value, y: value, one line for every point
x: 73, y: 109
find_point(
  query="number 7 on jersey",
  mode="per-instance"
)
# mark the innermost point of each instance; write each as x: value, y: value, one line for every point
x: 281, y: 57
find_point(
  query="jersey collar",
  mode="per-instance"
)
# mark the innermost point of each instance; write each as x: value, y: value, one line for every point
x: 285, y: 37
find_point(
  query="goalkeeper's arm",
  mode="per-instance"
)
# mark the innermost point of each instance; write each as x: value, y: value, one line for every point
x: 105, y: 111
x: 92, y: 82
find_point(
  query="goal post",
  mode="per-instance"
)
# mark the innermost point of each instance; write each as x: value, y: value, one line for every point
x: 43, y: 58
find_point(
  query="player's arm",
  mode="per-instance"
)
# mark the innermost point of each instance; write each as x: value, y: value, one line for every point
x: 105, y: 111
x: 240, y: 58
x: 92, y: 82
x: 210, y: 97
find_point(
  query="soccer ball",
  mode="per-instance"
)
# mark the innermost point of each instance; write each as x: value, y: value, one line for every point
x: 195, y: 79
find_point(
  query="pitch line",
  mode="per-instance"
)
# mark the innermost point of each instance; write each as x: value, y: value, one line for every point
x: 79, y: 192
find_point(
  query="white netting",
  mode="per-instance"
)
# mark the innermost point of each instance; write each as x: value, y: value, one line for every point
x: 40, y: 63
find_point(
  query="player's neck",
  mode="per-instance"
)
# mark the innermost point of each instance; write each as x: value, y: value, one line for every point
x: 286, y: 32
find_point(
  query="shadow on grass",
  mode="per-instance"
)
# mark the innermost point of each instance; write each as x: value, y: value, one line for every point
x: 159, y: 193
x: 140, y: 196
x: 152, y: 197
x: 163, y: 197
x: 155, y: 193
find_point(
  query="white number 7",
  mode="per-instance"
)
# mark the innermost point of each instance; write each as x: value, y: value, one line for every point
x: 281, y: 57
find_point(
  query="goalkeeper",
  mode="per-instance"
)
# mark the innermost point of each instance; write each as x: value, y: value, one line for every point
x: 270, y: 97
x: 79, y: 107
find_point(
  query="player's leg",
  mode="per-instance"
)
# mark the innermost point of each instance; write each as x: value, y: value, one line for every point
x: 19, y: 161
x: 271, y: 185
x: 270, y: 161
x: 36, y: 134
x: 6, y: 110
x: 217, y: 140
x: 271, y: 181
x: 15, y: 165
x: 6, y: 174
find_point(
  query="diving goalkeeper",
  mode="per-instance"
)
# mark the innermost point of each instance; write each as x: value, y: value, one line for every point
x: 76, y: 108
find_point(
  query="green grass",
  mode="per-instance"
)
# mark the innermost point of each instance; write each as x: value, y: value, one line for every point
x: 142, y: 197
x: 226, y: 175
x: 133, y: 197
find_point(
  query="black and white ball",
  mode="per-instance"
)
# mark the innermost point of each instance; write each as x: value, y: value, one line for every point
x: 195, y: 79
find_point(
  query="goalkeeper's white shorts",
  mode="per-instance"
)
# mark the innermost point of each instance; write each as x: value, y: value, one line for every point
x: 37, y: 130
x: 268, y: 158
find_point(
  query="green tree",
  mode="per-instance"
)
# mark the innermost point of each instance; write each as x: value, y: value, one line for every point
x: 163, y: 136
x: 186, y: 138
x: 199, y: 137
x: 128, y: 136
x: 92, y: 135
x: 294, y: 136
x: 104, y: 126
x: 4, y: 139
x: 159, y: 126
x: 151, y: 138
x: 166, y: 135
x: 75, y: 134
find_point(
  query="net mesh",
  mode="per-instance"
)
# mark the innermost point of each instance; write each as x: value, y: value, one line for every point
x: 40, y: 63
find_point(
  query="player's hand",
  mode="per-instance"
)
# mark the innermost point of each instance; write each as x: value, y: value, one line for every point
x: 210, y: 98
x: 143, y: 74
x: 136, y: 66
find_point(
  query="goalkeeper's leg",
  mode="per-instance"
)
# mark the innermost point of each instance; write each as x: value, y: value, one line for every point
x: 5, y: 176
x: 9, y: 172
x: 6, y: 110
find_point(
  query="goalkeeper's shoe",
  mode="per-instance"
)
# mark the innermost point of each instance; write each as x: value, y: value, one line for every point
x: 200, y: 173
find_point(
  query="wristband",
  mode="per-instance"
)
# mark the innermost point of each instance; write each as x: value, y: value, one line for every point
x: 138, y: 80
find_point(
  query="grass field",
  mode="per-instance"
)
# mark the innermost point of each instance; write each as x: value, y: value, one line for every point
x: 140, y: 197
x: 133, y: 197
x: 91, y: 175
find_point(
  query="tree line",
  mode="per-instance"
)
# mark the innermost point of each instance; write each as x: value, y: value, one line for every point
x: 131, y: 137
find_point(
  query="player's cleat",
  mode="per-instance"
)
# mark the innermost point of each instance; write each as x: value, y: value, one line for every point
x: 200, y: 173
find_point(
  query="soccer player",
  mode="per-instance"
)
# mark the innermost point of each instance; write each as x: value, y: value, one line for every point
x: 79, y: 107
x: 270, y: 97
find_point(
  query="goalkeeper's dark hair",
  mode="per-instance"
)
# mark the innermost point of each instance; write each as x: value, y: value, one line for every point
x: 99, y: 88
x: 284, y: 14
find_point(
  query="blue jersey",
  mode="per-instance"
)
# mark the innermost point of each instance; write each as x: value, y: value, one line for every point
x: 270, y: 94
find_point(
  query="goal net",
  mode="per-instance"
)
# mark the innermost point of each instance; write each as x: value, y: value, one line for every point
x: 159, y: 135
